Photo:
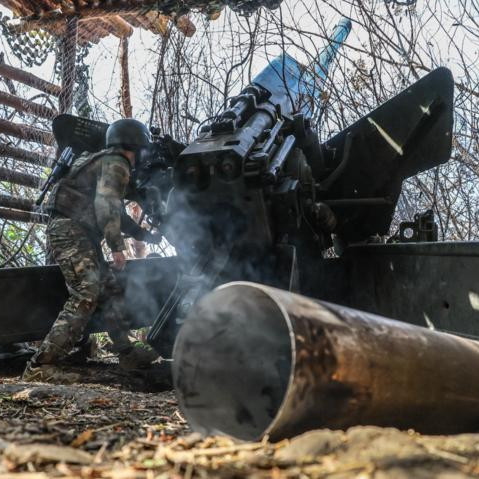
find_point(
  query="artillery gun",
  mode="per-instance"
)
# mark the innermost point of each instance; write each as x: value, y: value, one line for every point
x: 256, y: 197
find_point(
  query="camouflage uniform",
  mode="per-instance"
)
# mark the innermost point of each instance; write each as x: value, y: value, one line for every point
x: 87, y: 206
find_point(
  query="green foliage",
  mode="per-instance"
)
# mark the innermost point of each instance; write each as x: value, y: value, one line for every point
x: 21, y: 245
x: 13, y: 233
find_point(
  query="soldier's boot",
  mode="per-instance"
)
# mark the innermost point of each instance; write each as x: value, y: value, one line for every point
x: 41, y: 367
x: 48, y: 373
x: 86, y: 349
x: 137, y: 357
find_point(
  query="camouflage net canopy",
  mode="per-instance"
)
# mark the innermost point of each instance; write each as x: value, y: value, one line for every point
x: 101, y: 18
x: 36, y: 31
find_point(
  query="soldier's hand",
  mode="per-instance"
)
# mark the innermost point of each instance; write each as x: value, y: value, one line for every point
x: 119, y: 260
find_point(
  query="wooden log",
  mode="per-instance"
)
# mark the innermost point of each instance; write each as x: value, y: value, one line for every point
x: 158, y: 23
x: 23, y: 155
x: 92, y: 32
x: 26, y: 132
x: 185, y: 25
x: 29, y: 79
x: 18, y: 178
x: 16, y: 7
x: 54, y: 20
x: 122, y: 27
x: 27, y: 106
x: 8, y: 82
x: 22, y: 216
x: 7, y: 201
x: 69, y: 55
x: 125, y: 96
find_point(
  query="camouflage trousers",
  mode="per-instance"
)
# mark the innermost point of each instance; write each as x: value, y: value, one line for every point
x: 91, y: 285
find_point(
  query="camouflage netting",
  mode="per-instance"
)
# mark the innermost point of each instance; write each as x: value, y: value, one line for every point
x: 36, y: 32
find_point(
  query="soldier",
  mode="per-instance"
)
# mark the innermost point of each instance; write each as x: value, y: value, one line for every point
x: 86, y: 206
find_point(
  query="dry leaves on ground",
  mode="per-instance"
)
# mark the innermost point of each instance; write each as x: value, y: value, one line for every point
x: 93, y: 431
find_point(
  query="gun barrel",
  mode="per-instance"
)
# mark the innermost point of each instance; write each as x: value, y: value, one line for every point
x: 253, y: 360
x: 338, y: 37
x: 291, y: 84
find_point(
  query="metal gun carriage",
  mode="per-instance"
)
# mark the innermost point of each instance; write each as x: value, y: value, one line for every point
x: 257, y: 197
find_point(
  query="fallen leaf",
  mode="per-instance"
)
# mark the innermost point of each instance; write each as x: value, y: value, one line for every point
x: 83, y: 437
x: 101, y: 402
x: 44, y: 453
x: 25, y: 475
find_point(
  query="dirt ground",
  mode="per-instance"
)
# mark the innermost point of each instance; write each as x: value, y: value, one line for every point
x: 121, y: 431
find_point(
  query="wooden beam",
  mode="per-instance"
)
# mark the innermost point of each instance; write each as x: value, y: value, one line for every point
x: 55, y: 20
x: 24, y: 155
x: 7, y: 201
x: 125, y: 96
x: 27, y: 106
x: 8, y: 82
x: 26, y: 78
x: 122, y: 27
x: 18, y: 178
x: 22, y: 216
x: 26, y: 132
x: 68, y: 55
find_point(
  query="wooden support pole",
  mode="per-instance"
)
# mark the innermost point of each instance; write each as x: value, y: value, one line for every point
x: 18, y: 178
x: 22, y: 216
x: 27, y: 106
x: 25, y: 132
x: 24, y: 155
x: 125, y: 96
x: 69, y: 55
x: 33, y: 81
x: 7, y: 201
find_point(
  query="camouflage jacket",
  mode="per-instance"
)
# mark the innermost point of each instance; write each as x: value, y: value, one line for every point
x: 92, y: 194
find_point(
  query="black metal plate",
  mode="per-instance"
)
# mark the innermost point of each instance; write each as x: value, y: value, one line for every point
x: 32, y: 297
x: 81, y: 134
x: 419, y: 123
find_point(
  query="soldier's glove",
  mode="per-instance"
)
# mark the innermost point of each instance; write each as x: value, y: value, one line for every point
x: 154, y: 238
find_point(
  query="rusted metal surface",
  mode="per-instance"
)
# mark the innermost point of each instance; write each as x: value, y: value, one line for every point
x: 29, y: 79
x: 27, y: 106
x: 22, y: 216
x: 26, y: 132
x: 253, y: 361
x: 19, y: 178
x: 23, y: 155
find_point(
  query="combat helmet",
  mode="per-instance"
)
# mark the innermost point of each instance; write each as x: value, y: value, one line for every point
x: 128, y: 134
